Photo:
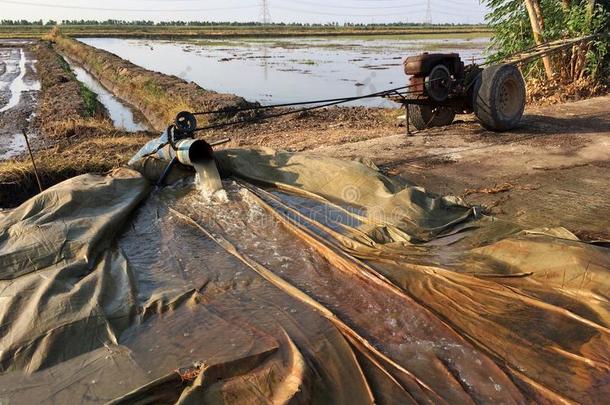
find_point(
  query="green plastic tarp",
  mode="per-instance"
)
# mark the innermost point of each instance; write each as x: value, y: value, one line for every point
x: 308, y: 280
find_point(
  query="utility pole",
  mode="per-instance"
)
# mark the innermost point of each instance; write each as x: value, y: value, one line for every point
x: 429, y: 13
x: 265, y: 17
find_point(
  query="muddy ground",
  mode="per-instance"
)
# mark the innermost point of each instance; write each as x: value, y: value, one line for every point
x: 17, y: 74
x: 69, y: 131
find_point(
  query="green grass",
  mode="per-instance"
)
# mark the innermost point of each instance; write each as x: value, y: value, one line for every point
x: 90, y: 100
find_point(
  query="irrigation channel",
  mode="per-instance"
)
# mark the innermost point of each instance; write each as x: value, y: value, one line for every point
x: 122, y: 115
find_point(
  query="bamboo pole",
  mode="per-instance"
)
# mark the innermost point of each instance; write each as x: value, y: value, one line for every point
x: 536, y: 22
x: 27, y: 142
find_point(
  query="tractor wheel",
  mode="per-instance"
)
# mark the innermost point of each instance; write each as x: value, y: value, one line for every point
x: 425, y: 116
x: 499, y: 97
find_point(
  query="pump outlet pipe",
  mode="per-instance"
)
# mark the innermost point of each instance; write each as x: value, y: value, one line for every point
x: 188, y: 152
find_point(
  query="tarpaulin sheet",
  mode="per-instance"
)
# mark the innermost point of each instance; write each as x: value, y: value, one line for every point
x: 314, y: 280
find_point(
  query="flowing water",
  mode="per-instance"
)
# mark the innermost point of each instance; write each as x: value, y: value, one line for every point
x: 121, y: 115
x: 278, y: 70
x: 208, y: 178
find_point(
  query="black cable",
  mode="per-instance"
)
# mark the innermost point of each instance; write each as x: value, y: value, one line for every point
x: 328, y: 100
x: 296, y: 111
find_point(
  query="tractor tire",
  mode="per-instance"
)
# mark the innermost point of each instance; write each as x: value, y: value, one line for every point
x: 499, y: 97
x: 425, y: 116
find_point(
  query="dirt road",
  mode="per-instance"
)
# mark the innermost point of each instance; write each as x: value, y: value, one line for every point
x: 553, y: 171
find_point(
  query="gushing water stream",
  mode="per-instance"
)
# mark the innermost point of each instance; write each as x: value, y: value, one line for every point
x: 208, y: 179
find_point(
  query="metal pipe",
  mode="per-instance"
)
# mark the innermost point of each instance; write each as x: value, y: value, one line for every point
x: 188, y: 151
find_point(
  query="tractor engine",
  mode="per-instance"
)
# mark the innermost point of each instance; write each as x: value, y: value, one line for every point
x: 433, y: 74
x: 441, y: 86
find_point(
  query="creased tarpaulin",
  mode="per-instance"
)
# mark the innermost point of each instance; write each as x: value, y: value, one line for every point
x: 316, y: 281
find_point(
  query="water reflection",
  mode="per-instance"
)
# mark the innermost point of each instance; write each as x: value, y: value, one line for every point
x: 288, y: 69
x: 120, y: 114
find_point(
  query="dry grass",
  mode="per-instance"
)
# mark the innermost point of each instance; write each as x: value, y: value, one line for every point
x: 64, y: 160
x: 75, y: 134
x: 541, y: 92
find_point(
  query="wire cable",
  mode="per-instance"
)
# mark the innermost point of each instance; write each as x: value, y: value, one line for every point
x: 67, y: 6
x: 301, y: 110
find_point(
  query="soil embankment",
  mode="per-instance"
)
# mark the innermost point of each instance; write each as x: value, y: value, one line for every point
x: 71, y: 132
x: 231, y: 31
x: 159, y: 97
x: 66, y: 107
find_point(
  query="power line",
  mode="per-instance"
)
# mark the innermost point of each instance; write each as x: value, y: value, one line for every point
x: 311, y: 3
x: 265, y: 16
x: 301, y: 11
x: 29, y: 3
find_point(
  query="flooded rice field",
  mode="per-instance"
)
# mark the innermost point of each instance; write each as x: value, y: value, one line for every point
x: 278, y: 70
x: 122, y: 115
x: 18, y: 97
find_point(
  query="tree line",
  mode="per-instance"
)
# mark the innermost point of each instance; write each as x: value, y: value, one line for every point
x: 179, y: 23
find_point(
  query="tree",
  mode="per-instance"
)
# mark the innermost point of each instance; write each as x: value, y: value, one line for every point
x: 521, y: 24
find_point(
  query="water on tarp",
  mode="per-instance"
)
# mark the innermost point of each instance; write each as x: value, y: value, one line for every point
x: 208, y: 179
x: 407, y: 335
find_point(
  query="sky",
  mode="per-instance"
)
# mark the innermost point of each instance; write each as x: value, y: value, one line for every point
x: 306, y: 11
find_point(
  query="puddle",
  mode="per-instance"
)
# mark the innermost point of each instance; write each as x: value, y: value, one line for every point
x: 15, y: 147
x: 278, y: 70
x: 19, y: 85
x: 121, y: 115
x: 18, y: 98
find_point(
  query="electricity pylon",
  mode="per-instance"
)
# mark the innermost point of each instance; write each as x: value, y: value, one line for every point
x: 265, y: 17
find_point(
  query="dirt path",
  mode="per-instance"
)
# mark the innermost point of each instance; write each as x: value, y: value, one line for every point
x: 553, y: 171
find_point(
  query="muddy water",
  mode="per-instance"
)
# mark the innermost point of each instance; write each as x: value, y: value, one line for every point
x: 121, y: 115
x: 18, y: 84
x: 396, y: 325
x: 208, y: 178
x: 18, y: 97
x: 290, y: 69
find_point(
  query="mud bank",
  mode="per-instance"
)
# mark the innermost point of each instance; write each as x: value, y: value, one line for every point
x: 71, y: 132
x: 159, y: 97
x: 66, y: 107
